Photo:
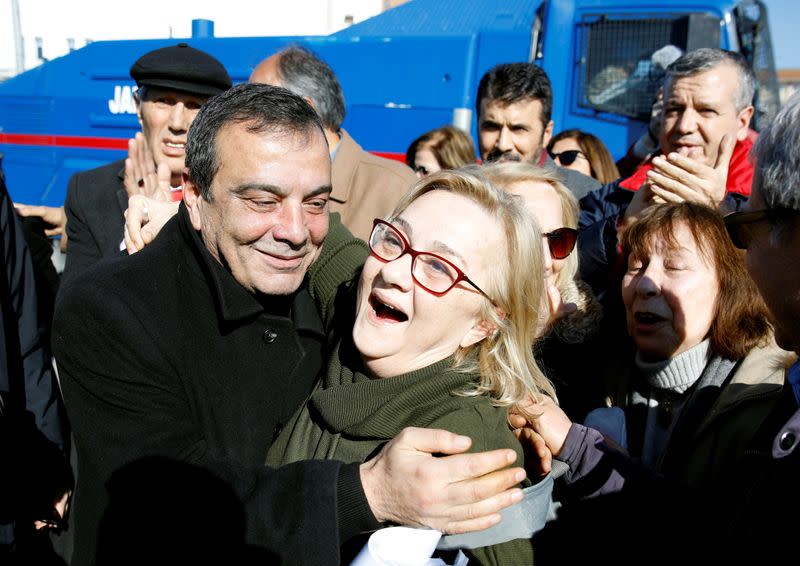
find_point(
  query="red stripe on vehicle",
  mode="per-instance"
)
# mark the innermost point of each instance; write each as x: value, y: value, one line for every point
x: 111, y: 143
x: 64, y: 141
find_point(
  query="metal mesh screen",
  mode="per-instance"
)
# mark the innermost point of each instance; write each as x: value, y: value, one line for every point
x: 619, y: 74
x: 622, y: 60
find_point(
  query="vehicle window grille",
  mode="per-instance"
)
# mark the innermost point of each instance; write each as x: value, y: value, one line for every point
x: 622, y: 59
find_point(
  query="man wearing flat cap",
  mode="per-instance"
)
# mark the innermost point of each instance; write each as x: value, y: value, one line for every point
x: 173, y: 83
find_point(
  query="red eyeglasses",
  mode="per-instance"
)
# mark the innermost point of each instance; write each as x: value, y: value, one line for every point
x: 430, y: 271
x: 561, y: 242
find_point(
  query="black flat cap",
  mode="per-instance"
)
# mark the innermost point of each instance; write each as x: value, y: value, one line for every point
x: 183, y: 68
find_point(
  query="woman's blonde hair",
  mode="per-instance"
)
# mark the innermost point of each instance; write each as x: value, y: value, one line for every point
x: 504, y: 175
x: 508, y: 371
x: 584, y: 321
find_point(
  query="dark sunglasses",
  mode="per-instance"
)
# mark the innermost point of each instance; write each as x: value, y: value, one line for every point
x: 740, y: 224
x: 566, y: 157
x: 561, y: 242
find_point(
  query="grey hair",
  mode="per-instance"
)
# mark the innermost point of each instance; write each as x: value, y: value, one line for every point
x: 777, y: 158
x: 140, y: 93
x: 707, y: 58
x: 306, y: 75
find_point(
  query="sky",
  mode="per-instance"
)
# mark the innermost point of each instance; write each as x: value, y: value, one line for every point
x: 784, y: 23
x: 58, y: 20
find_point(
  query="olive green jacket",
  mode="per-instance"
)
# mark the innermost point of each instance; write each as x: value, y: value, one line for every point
x: 350, y: 416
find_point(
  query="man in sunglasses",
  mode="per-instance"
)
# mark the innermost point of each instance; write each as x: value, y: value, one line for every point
x: 514, y: 104
x: 742, y: 517
x: 708, y: 97
x: 769, y: 229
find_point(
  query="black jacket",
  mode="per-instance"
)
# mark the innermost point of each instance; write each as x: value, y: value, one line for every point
x: 164, y: 356
x: 95, y: 207
x: 33, y: 469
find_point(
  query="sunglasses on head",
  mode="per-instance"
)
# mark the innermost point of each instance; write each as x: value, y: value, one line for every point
x: 566, y: 157
x: 561, y: 242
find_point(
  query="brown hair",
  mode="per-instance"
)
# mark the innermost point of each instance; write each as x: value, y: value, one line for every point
x: 600, y: 161
x: 451, y: 147
x: 741, y: 321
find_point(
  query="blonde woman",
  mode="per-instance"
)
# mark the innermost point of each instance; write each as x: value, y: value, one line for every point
x: 445, y: 317
x: 574, y: 337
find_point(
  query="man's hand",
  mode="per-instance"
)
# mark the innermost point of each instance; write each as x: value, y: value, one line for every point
x: 407, y: 484
x: 141, y: 175
x: 641, y: 201
x: 678, y: 178
x: 144, y: 219
x: 60, y: 509
x: 54, y: 216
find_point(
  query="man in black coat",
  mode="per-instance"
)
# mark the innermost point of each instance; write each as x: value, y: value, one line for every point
x: 34, y: 474
x: 173, y: 82
x: 181, y: 363
x: 764, y: 511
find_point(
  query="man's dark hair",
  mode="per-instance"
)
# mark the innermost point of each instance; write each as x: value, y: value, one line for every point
x: 303, y: 73
x: 514, y: 82
x: 263, y: 108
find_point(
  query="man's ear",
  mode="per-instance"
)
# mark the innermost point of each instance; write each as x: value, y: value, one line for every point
x: 137, y: 100
x: 547, y: 134
x: 743, y: 120
x: 311, y: 104
x: 478, y: 332
x: 193, y: 199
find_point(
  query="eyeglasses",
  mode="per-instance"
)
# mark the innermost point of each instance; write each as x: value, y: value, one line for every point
x: 738, y: 224
x: 567, y: 157
x: 433, y: 273
x: 561, y: 242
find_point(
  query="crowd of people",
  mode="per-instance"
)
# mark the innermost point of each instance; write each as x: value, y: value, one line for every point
x: 268, y: 344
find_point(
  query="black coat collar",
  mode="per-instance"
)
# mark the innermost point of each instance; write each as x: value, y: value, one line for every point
x: 234, y: 302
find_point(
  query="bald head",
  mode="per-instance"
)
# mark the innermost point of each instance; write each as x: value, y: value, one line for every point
x: 299, y: 70
x: 268, y: 71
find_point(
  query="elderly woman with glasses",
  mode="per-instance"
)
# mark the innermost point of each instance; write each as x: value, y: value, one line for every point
x: 446, y: 311
x: 571, y: 345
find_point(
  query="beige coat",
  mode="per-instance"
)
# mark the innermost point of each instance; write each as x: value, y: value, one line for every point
x: 365, y: 186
